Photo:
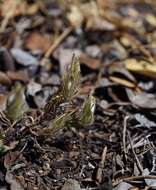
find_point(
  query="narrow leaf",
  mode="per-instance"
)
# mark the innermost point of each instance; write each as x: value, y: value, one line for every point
x: 71, y: 79
x: 87, y: 113
x: 16, y: 103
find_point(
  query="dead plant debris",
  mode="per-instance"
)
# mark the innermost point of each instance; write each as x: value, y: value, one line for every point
x: 77, y: 94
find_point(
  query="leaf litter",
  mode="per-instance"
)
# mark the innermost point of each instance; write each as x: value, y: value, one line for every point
x: 83, y: 121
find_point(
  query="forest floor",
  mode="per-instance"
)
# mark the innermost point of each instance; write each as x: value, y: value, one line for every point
x: 59, y: 131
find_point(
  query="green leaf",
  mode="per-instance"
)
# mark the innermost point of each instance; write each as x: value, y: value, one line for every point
x: 16, y: 103
x: 87, y: 112
x: 71, y: 79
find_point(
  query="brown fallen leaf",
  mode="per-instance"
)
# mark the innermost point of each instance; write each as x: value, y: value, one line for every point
x: 18, y: 76
x: 4, y: 79
x: 90, y: 62
x: 3, y: 100
x: 86, y: 89
x: 36, y: 41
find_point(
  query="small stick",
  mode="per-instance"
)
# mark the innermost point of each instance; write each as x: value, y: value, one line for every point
x: 137, y: 160
x: 58, y: 41
x: 124, y: 134
x: 101, y: 165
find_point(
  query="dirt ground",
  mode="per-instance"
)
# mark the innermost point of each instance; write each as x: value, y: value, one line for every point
x: 77, y: 94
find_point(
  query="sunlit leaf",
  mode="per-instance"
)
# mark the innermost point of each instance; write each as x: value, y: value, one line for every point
x: 141, y: 66
x: 123, y: 82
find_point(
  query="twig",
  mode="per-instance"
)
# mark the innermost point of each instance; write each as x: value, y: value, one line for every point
x: 124, y: 134
x: 58, y: 41
x: 101, y: 165
x: 137, y: 160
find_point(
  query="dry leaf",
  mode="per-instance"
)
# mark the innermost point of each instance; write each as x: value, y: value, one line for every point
x: 141, y: 67
x: 36, y: 41
x: 89, y: 13
x: 10, y: 8
x: 142, y: 99
x: 151, y: 19
x: 90, y: 62
x: 3, y: 100
x: 4, y: 79
x: 18, y: 76
x: 75, y: 16
x: 123, y: 82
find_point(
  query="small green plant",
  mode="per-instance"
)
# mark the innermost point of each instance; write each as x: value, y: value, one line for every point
x: 61, y: 110
x: 16, y: 103
x: 71, y: 80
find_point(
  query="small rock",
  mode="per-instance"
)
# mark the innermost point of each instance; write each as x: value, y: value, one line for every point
x: 23, y: 57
